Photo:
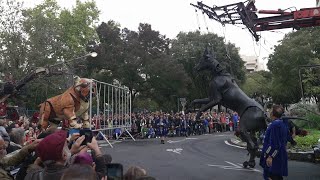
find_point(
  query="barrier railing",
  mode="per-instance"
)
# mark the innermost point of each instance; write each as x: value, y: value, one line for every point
x: 110, y: 110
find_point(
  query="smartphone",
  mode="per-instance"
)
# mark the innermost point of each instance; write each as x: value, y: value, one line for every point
x: 114, y: 171
x: 72, y: 131
x: 88, y: 136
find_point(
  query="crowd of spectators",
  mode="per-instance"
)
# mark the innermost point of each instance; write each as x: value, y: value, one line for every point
x: 180, y: 124
x: 145, y: 125
x: 26, y: 153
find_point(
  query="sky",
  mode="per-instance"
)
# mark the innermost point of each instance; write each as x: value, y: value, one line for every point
x: 170, y: 17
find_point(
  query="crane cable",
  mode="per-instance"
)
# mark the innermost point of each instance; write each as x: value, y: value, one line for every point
x: 227, y: 49
x: 205, y: 22
x: 197, y: 17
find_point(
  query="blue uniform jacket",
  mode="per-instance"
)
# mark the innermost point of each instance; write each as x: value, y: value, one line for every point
x: 274, y: 145
x: 162, y: 126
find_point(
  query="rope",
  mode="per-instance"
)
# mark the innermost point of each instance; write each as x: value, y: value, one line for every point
x: 225, y: 43
x: 205, y: 22
x: 227, y: 49
x: 265, y: 40
x: 254, y: 46
x: 198, y: 22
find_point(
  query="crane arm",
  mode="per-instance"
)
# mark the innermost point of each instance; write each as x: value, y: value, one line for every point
x: 247, y: 14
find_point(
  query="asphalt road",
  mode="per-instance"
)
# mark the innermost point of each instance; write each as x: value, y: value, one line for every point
x: 203, y: 157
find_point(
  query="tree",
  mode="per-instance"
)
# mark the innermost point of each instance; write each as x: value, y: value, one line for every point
x: 310, y: 81
x: 79, y: 27
x: 42, y: 27
x: 141, y: 61
x: 65, y: 33
x: 109, y: 51
x: 42, y: 36
x: 296, y: 49
x: 258, y: 85
x: 12, y: 39
x: 57, y: 34
x: 188, y: 49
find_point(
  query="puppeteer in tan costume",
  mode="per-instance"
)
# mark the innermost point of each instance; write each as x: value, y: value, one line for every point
x: 70, y: 105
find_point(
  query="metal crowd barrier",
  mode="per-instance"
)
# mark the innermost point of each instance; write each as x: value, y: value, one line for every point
x: 110, y: 110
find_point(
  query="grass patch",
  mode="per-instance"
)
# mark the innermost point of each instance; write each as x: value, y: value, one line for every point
x: 307, y: 142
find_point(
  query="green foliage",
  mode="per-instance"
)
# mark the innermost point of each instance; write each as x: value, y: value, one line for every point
x: 313, y: 128
x: 44, y: 32
x: 296, y: 49
x: 148, y: 104
x: 307, y: 142
x: 12, y: 40
x: 301, y: 110
x: 141, y: 61
x: 314, y: 121
x: 78, y: 26
x: 311, y: 80
x: 188, y: 49
x: 41, y: 36
x: 150, y: 64
x: 258, y: 85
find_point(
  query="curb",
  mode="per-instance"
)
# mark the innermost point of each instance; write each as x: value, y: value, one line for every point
x: 308, y: 156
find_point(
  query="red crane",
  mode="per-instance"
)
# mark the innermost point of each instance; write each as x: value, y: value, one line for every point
x: 246, y: 13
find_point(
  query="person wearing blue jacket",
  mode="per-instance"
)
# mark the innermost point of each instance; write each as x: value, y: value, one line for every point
x: 151, y: 132
x: 162, y: 125
x: 274, y: 157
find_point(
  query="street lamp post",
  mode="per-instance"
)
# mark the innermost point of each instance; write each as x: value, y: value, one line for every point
x: 92, y: 54
x: 70, y: 71
x: 301, y: 86
x: 183, y: 102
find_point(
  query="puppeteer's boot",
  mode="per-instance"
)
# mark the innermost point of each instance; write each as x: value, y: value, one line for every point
x: 73, y: 124
x: 86, y: 124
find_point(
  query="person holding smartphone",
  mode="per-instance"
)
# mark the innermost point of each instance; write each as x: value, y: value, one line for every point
x: 96, y: 157
x: 81, y: 145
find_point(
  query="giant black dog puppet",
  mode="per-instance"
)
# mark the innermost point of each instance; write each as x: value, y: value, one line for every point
x: 224, y: 90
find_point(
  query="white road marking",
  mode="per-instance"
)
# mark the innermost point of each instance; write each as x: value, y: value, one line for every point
x: 181, y: 140
x: 234, y: 167
x: 176, y: 141
x: 227, y: 143
x: 177, y: 150
x: 250, y: 168
x: 232, y: 164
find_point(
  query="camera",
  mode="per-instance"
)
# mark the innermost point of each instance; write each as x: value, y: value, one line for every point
x: 88, y: 136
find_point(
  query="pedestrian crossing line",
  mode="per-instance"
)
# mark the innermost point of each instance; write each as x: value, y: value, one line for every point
x: 234, y: 166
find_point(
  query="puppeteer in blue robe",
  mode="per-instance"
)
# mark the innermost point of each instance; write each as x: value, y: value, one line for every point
x: 274, y: 145
x: 162, y: 125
